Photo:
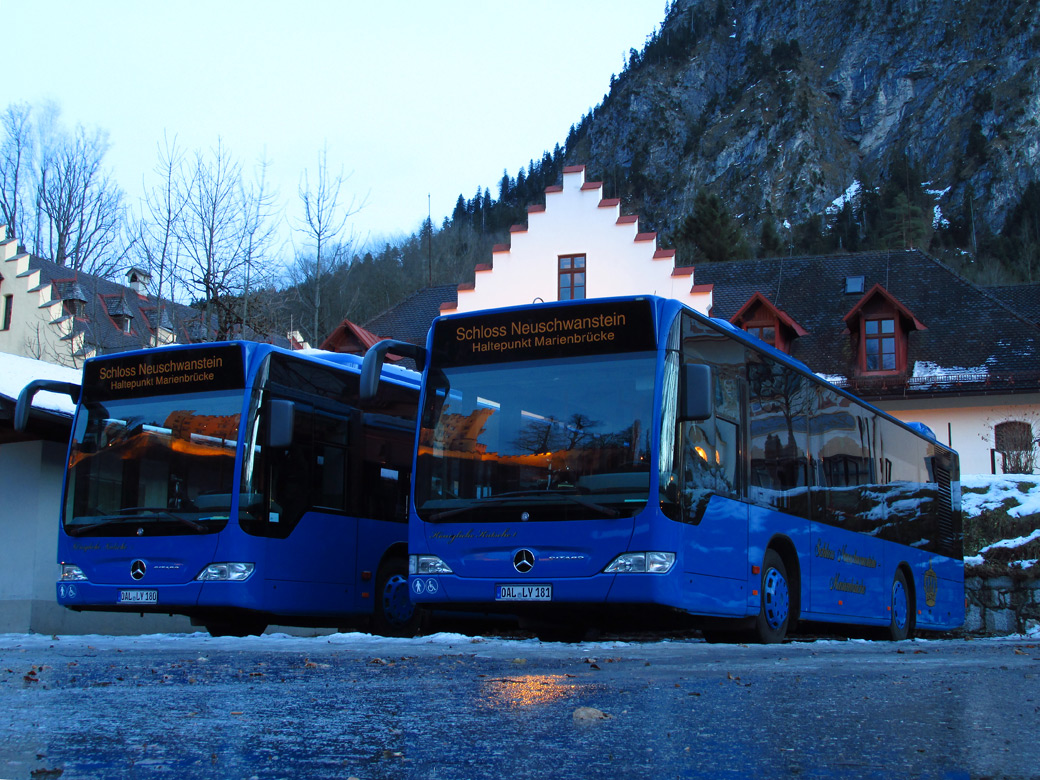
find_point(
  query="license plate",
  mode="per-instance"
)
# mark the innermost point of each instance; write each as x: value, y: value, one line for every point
x: 523, y: 593
x: 138, y: 597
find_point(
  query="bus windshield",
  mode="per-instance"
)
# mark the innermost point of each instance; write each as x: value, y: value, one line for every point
x: 154, y: 465
x: 567, y: 436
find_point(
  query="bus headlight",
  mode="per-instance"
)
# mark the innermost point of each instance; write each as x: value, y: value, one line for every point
x: 226, y: 572
x: 427, y: 564
x: 72, y: 573
x: 641, y: 563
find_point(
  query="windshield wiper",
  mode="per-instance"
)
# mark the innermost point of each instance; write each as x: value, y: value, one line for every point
x: 139, y: 514
x: 505, y: 498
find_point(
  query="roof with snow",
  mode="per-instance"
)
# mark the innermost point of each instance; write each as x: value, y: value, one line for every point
x: 51, y: 415
x: 971, y: 341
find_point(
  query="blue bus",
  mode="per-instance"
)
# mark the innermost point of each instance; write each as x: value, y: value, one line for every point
x: 239, y: 484
x: 586, y: 462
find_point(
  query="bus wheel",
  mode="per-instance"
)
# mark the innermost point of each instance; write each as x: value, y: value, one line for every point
x: 236, y: 628
x: 901, y: 625
x: 775, y: 611
x: 395, y: 614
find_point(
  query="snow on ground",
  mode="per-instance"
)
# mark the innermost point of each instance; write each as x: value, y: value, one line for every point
x: 995, y: 489
x: 981, y: 492
x: 446, y: 641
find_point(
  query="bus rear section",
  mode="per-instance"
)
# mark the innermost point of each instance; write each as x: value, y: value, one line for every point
x: 223, y: 483
x: 601, y: 460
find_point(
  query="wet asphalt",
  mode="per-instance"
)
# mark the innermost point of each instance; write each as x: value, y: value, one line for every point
x: 455, y: 706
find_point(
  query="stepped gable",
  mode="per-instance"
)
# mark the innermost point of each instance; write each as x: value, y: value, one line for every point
x: 577, y: 221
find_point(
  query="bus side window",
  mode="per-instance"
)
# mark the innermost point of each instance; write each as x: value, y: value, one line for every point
x: 779, y: 413
x: 386, y: 470
x: 330, y: 462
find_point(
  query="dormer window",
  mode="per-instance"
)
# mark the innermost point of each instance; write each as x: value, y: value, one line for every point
x: 760, y: 318
x: 880, y: 327
x: 765, y: 332
x: 879, y: 344
x: 119, y: 312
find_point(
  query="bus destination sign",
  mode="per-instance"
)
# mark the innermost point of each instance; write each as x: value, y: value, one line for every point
x: 597, y: 328
x: 161, y: 372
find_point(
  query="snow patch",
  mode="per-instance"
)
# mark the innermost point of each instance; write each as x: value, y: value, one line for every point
x: 851, y: 194
x: 16, y: 372
x: 990, y: 491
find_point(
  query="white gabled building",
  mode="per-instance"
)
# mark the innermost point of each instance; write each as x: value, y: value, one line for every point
x: 578, y: 245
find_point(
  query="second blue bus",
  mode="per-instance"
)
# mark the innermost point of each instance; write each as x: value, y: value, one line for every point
x: 591, y: 462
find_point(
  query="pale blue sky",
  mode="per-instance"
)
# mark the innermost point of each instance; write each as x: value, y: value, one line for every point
x: 412, y: 98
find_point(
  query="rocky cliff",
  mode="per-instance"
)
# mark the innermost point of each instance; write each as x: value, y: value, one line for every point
x: 780, y: 106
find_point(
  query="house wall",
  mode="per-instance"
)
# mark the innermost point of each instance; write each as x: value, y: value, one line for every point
x: 966, y: 424
x: 31, y: 475
x: 577, y: 220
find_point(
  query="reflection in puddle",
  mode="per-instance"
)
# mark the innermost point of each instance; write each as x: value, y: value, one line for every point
x: 526, y: 690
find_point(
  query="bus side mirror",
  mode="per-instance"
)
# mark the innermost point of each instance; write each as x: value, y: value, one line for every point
x: 696, y: 392
x: 280, y: 414
x: 372, y: 366
x: 25, y: 398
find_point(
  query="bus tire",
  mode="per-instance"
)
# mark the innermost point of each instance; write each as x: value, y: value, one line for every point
x: 395, y: 614
x: 774, y: 613
x: 901, y: 623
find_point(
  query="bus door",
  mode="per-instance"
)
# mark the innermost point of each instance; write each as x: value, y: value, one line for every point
x: 311, y: 536
x: 714, y: 519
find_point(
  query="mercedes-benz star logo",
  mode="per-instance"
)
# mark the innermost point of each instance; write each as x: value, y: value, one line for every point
x: 523, y: 561
x: 137, y: 570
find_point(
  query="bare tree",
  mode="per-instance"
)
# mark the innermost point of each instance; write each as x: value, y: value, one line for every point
x: 325, y: 248
x: 211, y: 231
x: 260, y: 202
x: 15, y: 161
x: 83, y: 205
x: 162, y: 208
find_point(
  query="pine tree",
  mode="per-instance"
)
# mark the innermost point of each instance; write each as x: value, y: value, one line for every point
x: 903, y: 224
x: 711, y: 232
x: 769, y: 242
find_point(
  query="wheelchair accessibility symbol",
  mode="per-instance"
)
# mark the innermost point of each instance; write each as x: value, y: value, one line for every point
x: 424, y: 586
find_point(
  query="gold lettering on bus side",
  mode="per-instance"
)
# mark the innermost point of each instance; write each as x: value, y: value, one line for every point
x: 823, y: 550
x: 846, y: 556
x: 848, y: 586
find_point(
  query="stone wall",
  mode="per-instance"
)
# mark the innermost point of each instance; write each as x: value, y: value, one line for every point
x: 999, y: 606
